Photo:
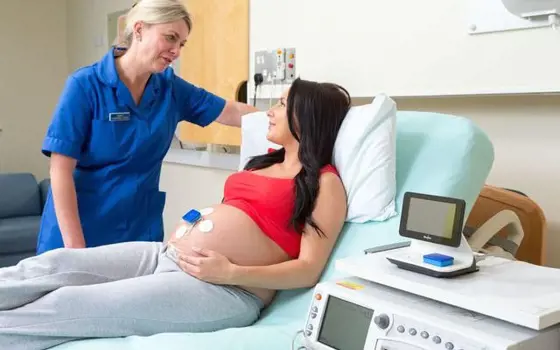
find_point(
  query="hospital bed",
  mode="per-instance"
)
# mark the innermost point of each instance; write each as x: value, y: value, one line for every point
x: 436, y: 153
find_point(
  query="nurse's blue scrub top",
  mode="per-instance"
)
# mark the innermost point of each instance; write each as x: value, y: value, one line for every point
x: 119, y: 147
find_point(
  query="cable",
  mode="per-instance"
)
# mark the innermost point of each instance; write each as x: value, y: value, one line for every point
x: 272, y: 89
x: 258, y: 78
x: 497, y: 252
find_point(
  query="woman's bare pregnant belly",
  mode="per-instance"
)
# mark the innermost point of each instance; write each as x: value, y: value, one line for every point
x: 236, y: 236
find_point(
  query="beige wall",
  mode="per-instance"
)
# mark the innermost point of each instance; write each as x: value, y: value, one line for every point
x: 33, y: 68
x: 87, y: 29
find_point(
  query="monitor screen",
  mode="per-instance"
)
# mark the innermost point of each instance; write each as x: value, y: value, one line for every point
x: 345, y: 325
x: 431, y: 217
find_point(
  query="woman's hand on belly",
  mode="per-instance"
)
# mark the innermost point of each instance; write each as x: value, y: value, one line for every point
x: 208, y: 266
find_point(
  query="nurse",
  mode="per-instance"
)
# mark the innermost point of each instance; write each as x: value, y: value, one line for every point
x: 111, y: 129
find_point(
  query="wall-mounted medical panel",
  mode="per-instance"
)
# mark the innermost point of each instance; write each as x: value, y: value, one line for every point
x: 276, y: 65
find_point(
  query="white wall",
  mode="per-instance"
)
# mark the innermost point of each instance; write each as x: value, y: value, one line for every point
x: 406, y: 47
x: 33, y: 68
x: 524, y: 129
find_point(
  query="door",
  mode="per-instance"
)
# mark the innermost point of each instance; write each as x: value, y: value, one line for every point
x: 216, y: 58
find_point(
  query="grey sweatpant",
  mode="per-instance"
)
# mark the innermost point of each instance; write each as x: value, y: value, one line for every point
x: 111, y: 291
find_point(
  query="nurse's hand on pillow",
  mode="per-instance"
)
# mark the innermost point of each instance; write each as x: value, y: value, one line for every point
x: 209, y: 266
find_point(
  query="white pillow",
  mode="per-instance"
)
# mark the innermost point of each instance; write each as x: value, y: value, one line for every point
x: 254, y: 127
x: 364, y: 155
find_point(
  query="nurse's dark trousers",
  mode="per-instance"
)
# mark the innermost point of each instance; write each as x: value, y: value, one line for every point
x: 111, y: 291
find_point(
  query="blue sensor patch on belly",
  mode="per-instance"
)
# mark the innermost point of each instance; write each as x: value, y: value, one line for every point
x: 437, y: 259
x: 192, y: 216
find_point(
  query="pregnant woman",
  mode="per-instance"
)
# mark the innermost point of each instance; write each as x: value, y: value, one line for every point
x: 274, y: 230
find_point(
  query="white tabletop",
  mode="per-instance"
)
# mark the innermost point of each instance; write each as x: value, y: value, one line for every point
x: 513, y: 291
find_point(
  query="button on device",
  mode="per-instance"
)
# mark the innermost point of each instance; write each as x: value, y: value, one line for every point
x: 449, y: 346
x: 308, y: 333
x: 310, y: 327
x: 437, y: 259
x: 436, y: 339
x: 313, y: 315
x: 400, y: 329
x: 412, y: 331
x: 424, y: 335
x: 315, y: 309
x: 382, y: 321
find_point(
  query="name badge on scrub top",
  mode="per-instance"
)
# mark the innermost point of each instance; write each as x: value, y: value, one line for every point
x: 119, y: 117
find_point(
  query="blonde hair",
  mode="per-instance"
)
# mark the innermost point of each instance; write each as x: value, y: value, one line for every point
x: 153, y: 12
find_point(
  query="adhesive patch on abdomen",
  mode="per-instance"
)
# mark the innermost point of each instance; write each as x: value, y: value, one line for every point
x: 206, y: 226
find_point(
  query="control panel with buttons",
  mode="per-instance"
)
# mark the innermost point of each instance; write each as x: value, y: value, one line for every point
x: 358, y: 314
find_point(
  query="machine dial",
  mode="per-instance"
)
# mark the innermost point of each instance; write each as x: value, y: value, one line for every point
x: 382, y: 321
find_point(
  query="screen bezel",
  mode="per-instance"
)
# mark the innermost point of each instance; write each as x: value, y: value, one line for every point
x: 457, y: 231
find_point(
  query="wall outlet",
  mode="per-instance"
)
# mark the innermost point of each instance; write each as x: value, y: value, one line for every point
x: 277, y: 66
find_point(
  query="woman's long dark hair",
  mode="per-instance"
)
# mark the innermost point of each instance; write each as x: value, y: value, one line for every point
x: 315, y: 113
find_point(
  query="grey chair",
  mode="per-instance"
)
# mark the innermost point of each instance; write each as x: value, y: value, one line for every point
x: 22, y: 200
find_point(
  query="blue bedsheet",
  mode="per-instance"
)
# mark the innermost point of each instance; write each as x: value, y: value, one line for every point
x: 437, y: 154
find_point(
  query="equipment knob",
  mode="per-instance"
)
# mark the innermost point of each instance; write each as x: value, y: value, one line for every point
x: 382, y: 321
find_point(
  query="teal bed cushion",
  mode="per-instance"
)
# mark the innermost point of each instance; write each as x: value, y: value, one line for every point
x: 437, y: 154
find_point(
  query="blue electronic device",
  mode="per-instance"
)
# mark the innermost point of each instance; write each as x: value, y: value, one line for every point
x: 192, y: 216
x: 436, y: 259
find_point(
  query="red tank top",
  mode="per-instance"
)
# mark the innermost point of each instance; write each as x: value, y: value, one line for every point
x: 269, y: 202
